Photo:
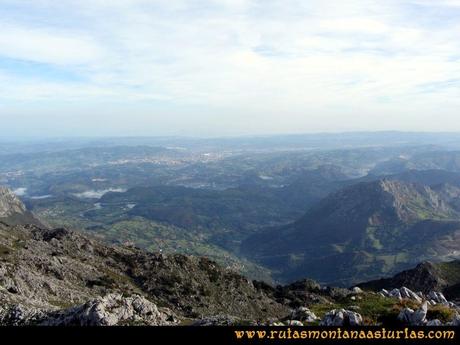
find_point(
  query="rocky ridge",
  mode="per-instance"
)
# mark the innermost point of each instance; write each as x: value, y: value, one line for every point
x: 50, y: 269
x: 425, y: 277
x: 10, y: 204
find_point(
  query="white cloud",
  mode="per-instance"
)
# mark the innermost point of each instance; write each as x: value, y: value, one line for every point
x: 254, y: 57
x: 47, y: 46
x: 449, y: 3
x: 354, y: 25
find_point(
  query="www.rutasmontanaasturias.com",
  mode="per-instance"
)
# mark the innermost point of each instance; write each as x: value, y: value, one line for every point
x: 339, y: 333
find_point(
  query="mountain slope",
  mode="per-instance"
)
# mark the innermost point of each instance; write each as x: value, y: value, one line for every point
x: 310, y: 186
x: 12, y: 210
x: 61, y: 277
x: 425, y: 277
x: 363, y: 231
x: 51, y: 269
x: 221, y: 218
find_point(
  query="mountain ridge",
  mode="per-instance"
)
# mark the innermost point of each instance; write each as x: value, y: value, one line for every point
x: 367, y: 225
x: 426, y: 276
x: 13, y: 211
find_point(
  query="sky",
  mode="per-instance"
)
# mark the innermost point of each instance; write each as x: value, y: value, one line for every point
x: 227, y: 67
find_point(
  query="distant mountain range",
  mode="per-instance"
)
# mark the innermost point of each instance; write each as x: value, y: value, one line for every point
x: 364, y: 231
x: 444, y: 160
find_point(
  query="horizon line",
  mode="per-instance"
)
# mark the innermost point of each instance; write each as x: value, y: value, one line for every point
x: 230, y: 136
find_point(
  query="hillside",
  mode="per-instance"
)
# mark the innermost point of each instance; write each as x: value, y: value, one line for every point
x: 363, y: 231
x: 43, y: 270
x: 49, y: 269
x: 191, y: 208
x: 62, y: 277
x: 9, y: 204
x: 426, y: 277
x: 434, y: 160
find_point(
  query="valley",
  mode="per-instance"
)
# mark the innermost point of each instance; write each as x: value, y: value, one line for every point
x: 341, y: 209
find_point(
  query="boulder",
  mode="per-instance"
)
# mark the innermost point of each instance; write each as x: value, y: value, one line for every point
x: 293, y: 323
x: 278, y: 324
x: 438, y: 297
x: 409, y: 294
x: 342, y: 317
x: 333, y: 318
x: 434, y: 322
x: 303, y: 314
x: 357, y: 290
x: 355, y: 319
x: 405, y: 315
x: 419, y: 316
x: 414, y: 318
x: 395, y: 293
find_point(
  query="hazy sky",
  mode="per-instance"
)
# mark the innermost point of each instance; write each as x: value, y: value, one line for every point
x: 224, y: 67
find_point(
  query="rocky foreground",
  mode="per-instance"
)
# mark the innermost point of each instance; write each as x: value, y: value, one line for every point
x: 60, y: 277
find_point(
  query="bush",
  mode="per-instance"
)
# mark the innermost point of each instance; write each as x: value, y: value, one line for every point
x: 440, y: 312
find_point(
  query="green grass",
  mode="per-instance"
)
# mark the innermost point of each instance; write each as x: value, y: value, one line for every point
x: 450, y: 271
x: 373, y: 308
x: 440, y: 312
x: 321, y: 309
x: 61, y: 304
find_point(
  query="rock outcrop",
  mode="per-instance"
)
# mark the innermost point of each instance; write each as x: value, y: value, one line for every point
x: 13, y: 211
x: 111, y: 310
x: 437, y: 298
x: 425, y: 277
x: 402, y: 293
x: 44, y: 271
x: 432, y: 298
x: 10, y: 203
